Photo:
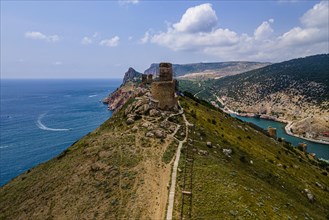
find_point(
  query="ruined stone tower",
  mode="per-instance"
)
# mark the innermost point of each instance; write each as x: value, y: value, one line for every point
x: 163, y: 90
x: 144, y: 78
x: 165, y: 72
x: 149, y: 79
x: 271, y: 131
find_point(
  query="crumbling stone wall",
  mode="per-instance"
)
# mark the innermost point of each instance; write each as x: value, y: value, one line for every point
x: 271, y: 131
x: 149, y: 79
x: 144, y: 78
x: 164, y: 93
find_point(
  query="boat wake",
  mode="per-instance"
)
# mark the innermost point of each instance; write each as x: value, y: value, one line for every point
x: 92, y: 96
x: 44, y: 127
x: 4, y: 146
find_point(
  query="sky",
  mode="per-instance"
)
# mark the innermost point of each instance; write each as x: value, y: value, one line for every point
x: 102, y: 39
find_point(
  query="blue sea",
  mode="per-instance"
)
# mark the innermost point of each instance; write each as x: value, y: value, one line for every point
x: 41, y: 118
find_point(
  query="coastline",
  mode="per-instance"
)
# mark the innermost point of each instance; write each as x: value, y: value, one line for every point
x: 287, y: 128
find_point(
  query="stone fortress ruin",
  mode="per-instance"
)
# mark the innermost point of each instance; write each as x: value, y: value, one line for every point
x: 147, y: 79
x: 163, y: 90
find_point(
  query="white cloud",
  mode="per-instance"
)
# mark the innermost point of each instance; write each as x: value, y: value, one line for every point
x: 264, y: 31
x: 35, y: 35
x: 86, y: 40
x: 112, y: 42
x: 195, y: 30
x: 314, y: 30
x: 201, y: 18
x: 123, y: 2
x: 186, y: 41
x: 57, y: 63
x: 287, y: 1
x: 189, y: 34
x: 90, y: 40
x: 317, y: 16
x: 146, y: 38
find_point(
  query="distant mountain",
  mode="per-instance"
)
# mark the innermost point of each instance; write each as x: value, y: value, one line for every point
x: 131, y: 75
x: 208, y: 70
x: 305, y: 77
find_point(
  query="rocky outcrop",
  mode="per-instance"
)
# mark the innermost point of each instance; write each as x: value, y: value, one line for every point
x: 118, y: 98
x: 131, y: 75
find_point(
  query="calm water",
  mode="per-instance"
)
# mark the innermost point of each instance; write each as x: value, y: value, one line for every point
x: 41, y: 118
x: 321, y: 150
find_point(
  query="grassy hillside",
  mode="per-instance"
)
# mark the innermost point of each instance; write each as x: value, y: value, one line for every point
x: 295, y: 90
x: 261, y: 178
x: 114, y: 172
x: 121, y: 171
x: 308, y: 77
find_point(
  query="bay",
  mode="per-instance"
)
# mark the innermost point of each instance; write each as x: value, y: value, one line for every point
x: 321, y: 150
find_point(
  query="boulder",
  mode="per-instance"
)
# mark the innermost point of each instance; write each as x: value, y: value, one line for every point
x: 130, y: 121
x: 147, y: 124
x: 309, y: 195
x: 160, y: 133
x: 131, y: 116
x: 164, y: 124
x: 319, y: 185
x: 134, y: 129
x: 142, y: 109
x: 203, y: 152
x: 146, y: 107
x: 149, y: 134
x: 227, y: 152
x: 172, y: 128
x: 209, y: 144
x: 154, y: 113
x: 138, y: 104
x: 128, y: 110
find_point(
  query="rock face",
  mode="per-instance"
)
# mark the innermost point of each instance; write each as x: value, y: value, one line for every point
x: 131, y: 75
x: 118, y: 98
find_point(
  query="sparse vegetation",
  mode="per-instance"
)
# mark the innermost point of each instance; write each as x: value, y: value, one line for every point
x: 292, y: 90
x: 255, y: 181
x: 117, y: 172
x: 170, y: 152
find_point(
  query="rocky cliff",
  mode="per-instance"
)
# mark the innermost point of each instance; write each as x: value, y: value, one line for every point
x: 132, y: 75
x: 127, y: 90
x: 119, y: 97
